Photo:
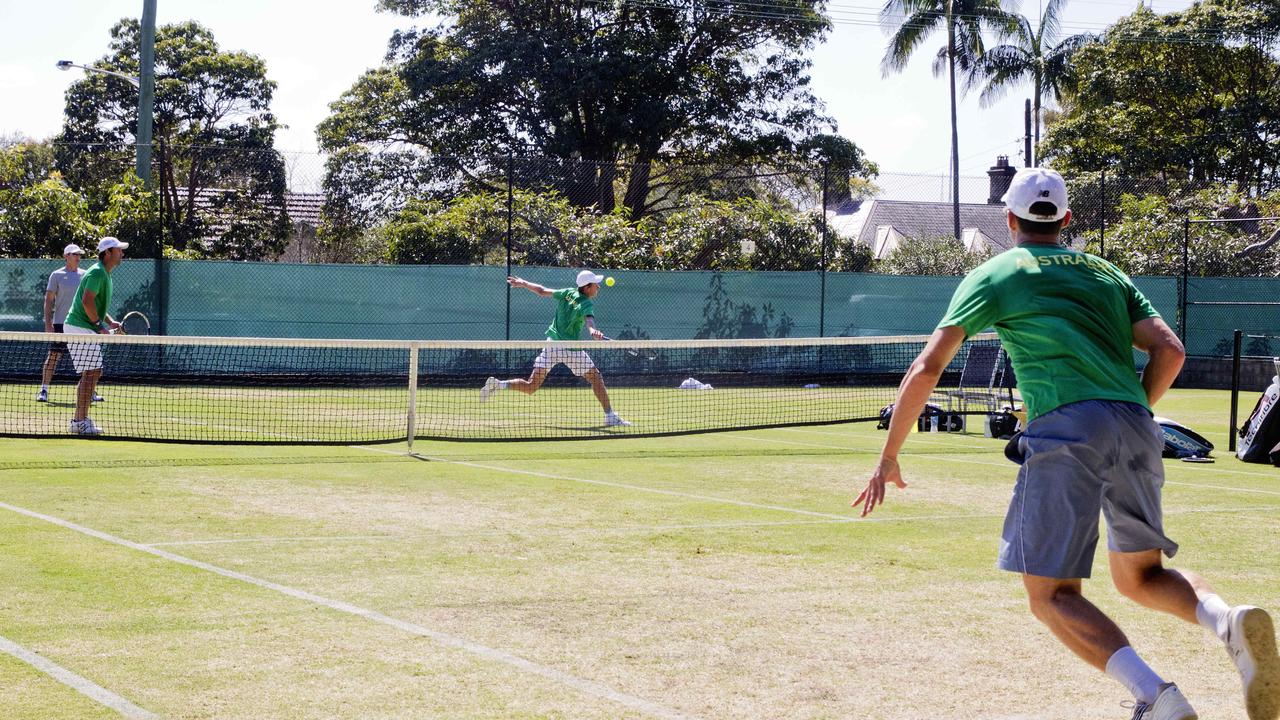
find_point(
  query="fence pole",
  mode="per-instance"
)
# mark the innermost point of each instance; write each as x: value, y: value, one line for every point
x: 822, y: 269
x: 1102, y: 238
x: 161, y: 265
x: 510, y: 201
x: 1237, y: 339
x: 1182, y: 294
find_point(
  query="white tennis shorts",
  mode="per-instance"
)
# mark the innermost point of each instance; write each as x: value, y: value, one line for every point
x: 577, y: 360
x: 84, y: 356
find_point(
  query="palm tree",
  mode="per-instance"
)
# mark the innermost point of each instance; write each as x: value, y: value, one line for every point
x: 913, y: 21
x: 1030, y: 54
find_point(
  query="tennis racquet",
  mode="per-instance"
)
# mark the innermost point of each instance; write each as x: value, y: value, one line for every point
x: 134, y: 323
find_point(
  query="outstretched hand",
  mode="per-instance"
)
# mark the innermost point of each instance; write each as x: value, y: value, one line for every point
x: 887, y: 471
x: 514, y: 281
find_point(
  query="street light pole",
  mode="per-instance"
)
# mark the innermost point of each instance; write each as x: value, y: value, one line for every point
x: 67, y: 65
x: 146, y: 90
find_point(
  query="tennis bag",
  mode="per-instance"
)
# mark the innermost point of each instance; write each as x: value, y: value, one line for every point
x: 1261, y: 432
x: 932, y: 418
x: 1181, y: 441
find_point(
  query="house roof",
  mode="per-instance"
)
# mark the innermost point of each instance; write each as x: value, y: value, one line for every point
x: 934, y: 219
x: 302, y: 207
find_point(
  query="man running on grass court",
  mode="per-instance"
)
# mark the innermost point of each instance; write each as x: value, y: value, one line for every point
x: 1068, y: 321
x: 574, y: 308
x: 89, y: 316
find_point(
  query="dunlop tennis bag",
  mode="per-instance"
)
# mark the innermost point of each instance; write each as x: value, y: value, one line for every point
x: 1261, y: 431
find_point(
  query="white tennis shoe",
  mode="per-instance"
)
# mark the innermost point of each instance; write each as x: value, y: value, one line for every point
x: 85, y: 427
x: 611, y: 419
x: 1169, y: 705
x: 42, y: 396
x: 1251, y: 641
x: 489, y: 386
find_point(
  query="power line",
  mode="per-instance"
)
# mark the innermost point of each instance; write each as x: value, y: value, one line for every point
x: 870, y: 16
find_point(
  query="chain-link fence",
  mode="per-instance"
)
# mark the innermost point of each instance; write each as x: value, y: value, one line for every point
x: 402, y: 245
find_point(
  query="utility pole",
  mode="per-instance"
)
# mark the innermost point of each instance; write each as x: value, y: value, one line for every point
x: 1026, y: 138
x: 146, y: 90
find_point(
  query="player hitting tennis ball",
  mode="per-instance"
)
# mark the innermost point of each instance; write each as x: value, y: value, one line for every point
x: 574, y: 308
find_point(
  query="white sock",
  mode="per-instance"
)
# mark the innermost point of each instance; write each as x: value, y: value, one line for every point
x: 1129, y: 669
x: 502, y: 384
x: 1212, y: 614
x: 45, y: 388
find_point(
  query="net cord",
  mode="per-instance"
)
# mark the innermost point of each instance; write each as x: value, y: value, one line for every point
x: 183, y: 340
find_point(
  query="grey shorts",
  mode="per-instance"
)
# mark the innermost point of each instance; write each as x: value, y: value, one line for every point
x: 1083, y: 458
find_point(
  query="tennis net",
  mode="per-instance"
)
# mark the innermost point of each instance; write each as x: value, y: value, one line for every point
x: 295, y: 391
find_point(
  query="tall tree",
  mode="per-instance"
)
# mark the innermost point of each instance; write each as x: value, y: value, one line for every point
x: 1033, y: 54
x: 611, y: 93
x: 1188, y: 96
x: 913, y: 21
x: 221, y: 182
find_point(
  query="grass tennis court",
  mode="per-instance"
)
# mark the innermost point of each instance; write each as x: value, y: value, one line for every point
x: 704, y: 576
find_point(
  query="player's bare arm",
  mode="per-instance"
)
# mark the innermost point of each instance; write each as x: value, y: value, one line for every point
x: 1154, y: 337
x: 48, y: 311
x: 534, y: 288
x: 920, y: 380
x: 590, y: 322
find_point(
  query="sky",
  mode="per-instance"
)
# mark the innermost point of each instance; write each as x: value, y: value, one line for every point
x: 315, y: 50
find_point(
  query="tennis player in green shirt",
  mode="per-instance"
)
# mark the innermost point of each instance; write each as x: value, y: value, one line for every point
x: 1069, y: 321
x: 89, y: 316
x: 575, y: 308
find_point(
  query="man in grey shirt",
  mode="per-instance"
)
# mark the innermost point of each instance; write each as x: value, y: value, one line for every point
x: 58, y: 296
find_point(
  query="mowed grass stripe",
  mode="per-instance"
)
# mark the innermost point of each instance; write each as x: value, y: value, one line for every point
x: 80, y: 684
x: 583, y: 685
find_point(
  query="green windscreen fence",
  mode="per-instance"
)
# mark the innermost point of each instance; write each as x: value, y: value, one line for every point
x: 472, y: 302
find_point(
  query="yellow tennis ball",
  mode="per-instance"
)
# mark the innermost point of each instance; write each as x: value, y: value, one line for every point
x: 608, y: 281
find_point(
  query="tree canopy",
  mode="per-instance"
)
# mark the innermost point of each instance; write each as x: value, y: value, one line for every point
x: 1190, y: 93
x: 611, y: 93
x: 213, y: 130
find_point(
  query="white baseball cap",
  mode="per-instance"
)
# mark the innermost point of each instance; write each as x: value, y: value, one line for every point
x: 1037, y: 185
x: 72, y: 249
x: 586, y: 277
x: 107, y: 243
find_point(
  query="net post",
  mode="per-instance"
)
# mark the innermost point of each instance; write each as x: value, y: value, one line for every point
x: 412, y: 416
x: 1237, y: 339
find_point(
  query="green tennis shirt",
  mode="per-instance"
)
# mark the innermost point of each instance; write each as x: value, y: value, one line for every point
x: 1065, y: 318
x: 98, y: 281
x: 572, y: 309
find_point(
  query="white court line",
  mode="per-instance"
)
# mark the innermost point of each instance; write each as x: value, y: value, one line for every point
x: 587, y: 687
x: 230, y: 541
x: 691, y: 496
x: 82, y: 685
x: 640, y: 488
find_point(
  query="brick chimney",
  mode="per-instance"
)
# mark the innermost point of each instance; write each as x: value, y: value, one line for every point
x: 1001, y: 175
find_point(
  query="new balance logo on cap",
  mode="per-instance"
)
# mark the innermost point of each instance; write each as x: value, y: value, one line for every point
x: 1039, y: 187
x: 107, y: 243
